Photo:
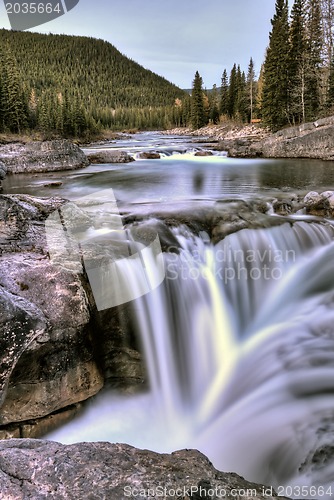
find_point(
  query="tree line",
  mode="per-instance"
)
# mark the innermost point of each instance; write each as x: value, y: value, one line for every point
x: 296, y: 80
x: 76, y: 86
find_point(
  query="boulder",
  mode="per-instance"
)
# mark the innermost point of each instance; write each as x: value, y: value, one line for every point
x: 41, y: 469
x: 148, y: 155
x: 203, y: 153
x: 108, y: 156
x: 320, y: 204
x: 42, y: 156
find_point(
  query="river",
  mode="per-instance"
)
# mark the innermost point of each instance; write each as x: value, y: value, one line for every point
x: 238, y: 338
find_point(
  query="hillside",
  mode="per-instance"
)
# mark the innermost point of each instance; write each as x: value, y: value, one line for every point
x: 90, y: 71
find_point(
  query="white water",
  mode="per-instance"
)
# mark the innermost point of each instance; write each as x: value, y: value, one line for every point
x: 239, y: 345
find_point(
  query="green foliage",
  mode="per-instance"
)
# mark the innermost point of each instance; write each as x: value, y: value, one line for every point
x: 276, y: 66
x: 74, y: 85
x: 13, y: 103
x: 224, y: 94
x: 198, y: 113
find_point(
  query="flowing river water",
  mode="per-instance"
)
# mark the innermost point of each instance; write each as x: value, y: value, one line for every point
x: 239, y: 337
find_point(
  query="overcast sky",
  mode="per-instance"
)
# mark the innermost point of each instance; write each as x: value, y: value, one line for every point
x: 174, y: 38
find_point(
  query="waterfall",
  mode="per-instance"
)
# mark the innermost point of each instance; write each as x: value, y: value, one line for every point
x: 239, y: 347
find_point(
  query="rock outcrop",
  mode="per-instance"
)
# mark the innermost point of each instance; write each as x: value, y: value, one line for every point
x: 108, y: 156
x: 56, y: 349
x: 41, y: 156
x: 32, y: 469
x: 309, y: 140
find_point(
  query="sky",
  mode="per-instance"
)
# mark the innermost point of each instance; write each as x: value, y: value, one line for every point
x: 174, y: 38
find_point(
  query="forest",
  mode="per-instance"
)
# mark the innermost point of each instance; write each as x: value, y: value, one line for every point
x: 296, y: 80
x: 74, y: 86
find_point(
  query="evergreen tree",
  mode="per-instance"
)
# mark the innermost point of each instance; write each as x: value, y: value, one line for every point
x: 275, y: 85
x: 330, y: 91
x: 13, y: 103
x: 198, y: 114
x: 224, y: 94
x: 259, y: 93
x: 214, y: 109
x: 233, y: 92
x: 240, y: 107
x: 251, y: 89
x: 297, y: 62
x: 314, y: 47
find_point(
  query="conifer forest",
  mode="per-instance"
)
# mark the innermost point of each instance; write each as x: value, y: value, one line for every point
x: 54, y: 83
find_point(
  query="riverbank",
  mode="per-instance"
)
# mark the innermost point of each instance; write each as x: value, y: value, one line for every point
x: 308, y: 140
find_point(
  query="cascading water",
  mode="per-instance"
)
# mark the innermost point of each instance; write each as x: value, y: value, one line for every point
x: 239, y: 347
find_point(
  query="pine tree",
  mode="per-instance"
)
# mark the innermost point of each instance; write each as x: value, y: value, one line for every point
x: 13, y: 103
x: 233, y: 92
x: 214, y: 109
x: 198, y: 118
x: 275, y: 85
x: 297, y: 62
x: 251, y: 89
x: 314, y: 46
x: 224, y: 94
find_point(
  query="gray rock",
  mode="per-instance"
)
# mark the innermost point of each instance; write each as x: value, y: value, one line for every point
x: 319, y: 204
x: 40, y: 156
x: 108, y: 156
x: 149, y: 155
x: 32, y: 469
x: 203, y: 153
x: 309, y: 140
x: 48, y: 360
x: 313, y: 198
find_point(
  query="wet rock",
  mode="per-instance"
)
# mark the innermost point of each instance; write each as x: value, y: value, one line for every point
x: 40, y: 156
x: 148, y: 155
x: 53, y: 184
x: 203, y: 153
x: 40, y: 469
x: 110, y: 156
x: 320, y: 204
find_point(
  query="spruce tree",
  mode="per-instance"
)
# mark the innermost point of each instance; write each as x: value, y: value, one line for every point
x: 314, y: 47
x: 224, y: 94
x: 198, y: 114
x: 297, y: 62
x: 13, y: 102
x: 233, y: 92
x: 275, y: 85
x: 214, y: 108
x: 251, y: 89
